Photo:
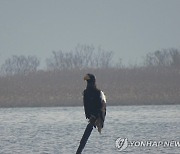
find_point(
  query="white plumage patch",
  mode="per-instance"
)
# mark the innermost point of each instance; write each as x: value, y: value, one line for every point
x: 99, y: 122
x: 103, y: 97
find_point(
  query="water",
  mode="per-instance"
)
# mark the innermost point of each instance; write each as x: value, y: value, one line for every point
x: 59, y: 130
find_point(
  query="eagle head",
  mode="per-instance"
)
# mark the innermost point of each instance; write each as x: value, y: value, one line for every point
x: 90, y: 78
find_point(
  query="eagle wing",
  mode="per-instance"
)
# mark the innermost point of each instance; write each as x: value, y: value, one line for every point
x: 103, y: 102
x: 100, y: 120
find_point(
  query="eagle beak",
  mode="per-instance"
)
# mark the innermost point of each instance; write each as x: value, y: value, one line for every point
x: 86, y: 77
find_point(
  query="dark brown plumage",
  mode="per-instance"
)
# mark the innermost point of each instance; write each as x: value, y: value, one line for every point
x: 94, y: 102
x: 95, y: 109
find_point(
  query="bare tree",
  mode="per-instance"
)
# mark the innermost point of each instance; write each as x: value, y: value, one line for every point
x: 175, y: 56
x: 102, y: 58
x: 60, y: 60
x: 20, y: 65
x: 159, y: 58
x: 84, y: 56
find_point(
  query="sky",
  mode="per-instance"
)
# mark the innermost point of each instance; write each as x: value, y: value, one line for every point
x: 129, y: 28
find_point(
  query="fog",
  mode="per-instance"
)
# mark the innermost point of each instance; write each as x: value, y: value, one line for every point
x: 46, y: 47
x: 23, y: 84
x: 131, y: 29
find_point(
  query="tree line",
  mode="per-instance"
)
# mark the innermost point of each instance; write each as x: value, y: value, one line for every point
x: 23, y: 83
x: 84, y: 57
x: 163, y: 58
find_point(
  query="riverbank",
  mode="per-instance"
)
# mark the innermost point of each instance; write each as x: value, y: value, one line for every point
x: 123, y: 86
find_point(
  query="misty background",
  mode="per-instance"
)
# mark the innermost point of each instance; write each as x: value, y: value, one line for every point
x: 129, y: 28
x: 46, y: 47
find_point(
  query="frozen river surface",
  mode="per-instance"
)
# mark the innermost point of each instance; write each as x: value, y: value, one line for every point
x: 58, y: 130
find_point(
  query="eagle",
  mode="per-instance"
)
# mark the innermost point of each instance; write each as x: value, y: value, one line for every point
x: 95, y: 109
x: 94, y: 103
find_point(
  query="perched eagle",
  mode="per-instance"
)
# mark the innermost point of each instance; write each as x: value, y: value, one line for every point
x: 94, y: 103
